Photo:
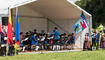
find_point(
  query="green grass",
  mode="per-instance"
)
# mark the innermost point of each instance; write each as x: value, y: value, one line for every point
x: 83, y: 55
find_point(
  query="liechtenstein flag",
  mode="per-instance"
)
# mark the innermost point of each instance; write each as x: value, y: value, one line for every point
x: 17, y: 38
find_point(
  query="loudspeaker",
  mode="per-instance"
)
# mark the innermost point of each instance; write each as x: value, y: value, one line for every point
x: 5, y: 21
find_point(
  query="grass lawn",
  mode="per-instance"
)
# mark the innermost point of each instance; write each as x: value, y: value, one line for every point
x: 83, y: 55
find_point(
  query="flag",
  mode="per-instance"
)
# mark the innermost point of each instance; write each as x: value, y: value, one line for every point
x: 81, y: 24
x: 9, y: 30
x: 78, y: 27
x: 84, y: 22
x: 17, y: 38
x: 0, y: 28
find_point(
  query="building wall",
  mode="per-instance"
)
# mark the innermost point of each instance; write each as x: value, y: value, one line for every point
x: 29, y: 24
x: 29, y: 19
x: 65, y: 26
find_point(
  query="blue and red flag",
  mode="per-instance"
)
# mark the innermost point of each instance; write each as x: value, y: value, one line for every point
x: 81, y: 24
x: 17, y: 35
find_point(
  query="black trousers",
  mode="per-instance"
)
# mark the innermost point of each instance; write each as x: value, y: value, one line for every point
x: 3, y: 51
x: 11, y: 51
x: 93, y: 43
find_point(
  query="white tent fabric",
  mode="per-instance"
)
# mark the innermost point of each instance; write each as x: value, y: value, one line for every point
x: 45, y: 14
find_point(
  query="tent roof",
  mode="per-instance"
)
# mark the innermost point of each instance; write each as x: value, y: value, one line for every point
x: 55, y: 9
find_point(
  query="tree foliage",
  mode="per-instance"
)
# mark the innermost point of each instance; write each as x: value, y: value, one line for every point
x: 96, y: 8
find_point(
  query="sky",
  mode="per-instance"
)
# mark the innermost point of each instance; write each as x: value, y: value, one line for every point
x: 4, y: 4
x: 73, y: 0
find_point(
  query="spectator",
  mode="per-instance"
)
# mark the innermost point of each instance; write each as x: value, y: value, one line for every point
x: 86, y: 42
x: 98, y: 36
x: 94, y: 41
x: 103, y: 40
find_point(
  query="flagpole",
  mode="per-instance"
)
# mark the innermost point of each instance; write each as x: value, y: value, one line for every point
x: 15, y: 31
x: 7, y: 42
x: 0, y: 43
x: 15, y: 48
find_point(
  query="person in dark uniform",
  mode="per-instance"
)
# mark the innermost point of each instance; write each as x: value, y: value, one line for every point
x: 46, y: 41
x: 42, y: 38
x: 21, y: 40
x: 3, y: 41
x: 25, y: 41
x: 35, y: 31
x: 62, y: 41
x: 72, y: 41
x: 68, y: 43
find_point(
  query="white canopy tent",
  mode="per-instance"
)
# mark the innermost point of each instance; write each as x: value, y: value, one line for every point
x: 45, y: 14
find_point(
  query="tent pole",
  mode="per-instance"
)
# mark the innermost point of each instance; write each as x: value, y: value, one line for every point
x: 80, y: 39
x: 47, y: 25
x: 90, y: 25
